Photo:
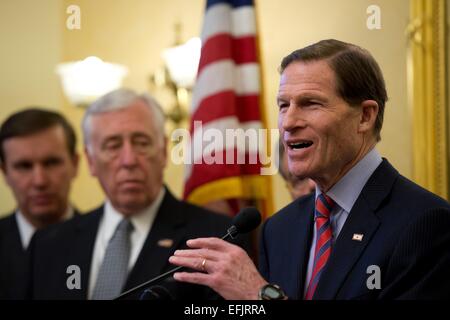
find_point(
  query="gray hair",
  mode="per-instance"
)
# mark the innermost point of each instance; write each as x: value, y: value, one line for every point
x: 120, y: 99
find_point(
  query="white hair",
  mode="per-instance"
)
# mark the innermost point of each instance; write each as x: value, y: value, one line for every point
x: 120, y: 99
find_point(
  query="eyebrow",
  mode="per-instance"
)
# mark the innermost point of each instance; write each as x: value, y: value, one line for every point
x: 304, y: 98
x: 133, y: 135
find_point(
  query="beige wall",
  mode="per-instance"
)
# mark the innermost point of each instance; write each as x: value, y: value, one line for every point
x: 31, y: 46
x: 133, y: 33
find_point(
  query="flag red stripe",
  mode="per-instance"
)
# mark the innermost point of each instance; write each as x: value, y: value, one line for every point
x: 223, y: 46
x: 226, y: 104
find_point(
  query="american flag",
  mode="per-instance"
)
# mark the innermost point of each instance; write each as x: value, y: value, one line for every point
x: 227, y: 96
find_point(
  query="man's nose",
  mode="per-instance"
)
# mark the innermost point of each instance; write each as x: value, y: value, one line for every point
x: 40, y: 176
x: 292, y: 118
x: 128, y: 155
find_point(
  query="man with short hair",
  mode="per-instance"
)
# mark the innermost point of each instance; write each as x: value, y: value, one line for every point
x: 128, y: 240
x: 367, y: 232
x: 39, y: 162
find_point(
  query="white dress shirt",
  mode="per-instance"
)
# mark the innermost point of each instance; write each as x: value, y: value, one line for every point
x: 344, y: 193
x: 142, y: 223
x: 27, y: 230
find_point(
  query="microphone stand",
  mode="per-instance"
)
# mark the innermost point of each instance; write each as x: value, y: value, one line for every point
x: 231, y: 234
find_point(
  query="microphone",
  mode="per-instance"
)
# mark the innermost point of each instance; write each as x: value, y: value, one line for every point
x: 156, y: 293
x: 245, y: 221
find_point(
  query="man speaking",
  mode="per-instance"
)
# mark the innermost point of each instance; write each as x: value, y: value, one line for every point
x: 367, y: 232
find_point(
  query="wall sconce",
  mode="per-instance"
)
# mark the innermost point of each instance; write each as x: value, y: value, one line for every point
x: 178, y: 74
x: 86, y: 80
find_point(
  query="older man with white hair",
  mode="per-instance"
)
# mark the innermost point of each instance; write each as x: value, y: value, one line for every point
x: 129, y: 239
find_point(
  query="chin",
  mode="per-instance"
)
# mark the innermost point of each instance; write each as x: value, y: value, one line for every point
x: 44, y: 211
x: 135, y: 205
x: 300, y: 174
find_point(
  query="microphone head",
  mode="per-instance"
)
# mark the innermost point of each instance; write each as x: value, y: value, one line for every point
x: 156, y: 293
x: 247, y: 220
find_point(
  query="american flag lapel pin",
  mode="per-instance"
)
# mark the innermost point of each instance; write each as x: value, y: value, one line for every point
x: 357, y: 237
x: 165, y: 243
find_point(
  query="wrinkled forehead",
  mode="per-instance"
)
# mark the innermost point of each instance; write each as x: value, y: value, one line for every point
x: 45, y: 143
x: 309, y: 75
x: 136, y: 117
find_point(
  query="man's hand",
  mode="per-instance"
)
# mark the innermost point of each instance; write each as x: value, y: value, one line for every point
x: 224, y: 267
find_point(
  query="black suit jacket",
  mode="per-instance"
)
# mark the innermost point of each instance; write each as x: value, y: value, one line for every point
x: 73, y: 243
x: 14, y: 270
x: 406, y: 234
x: 14, y: 260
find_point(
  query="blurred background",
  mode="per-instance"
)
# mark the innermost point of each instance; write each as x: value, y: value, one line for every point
x: 411, y: 47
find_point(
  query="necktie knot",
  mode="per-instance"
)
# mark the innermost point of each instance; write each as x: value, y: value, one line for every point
x: 125, y: 227
x: 324, y: 206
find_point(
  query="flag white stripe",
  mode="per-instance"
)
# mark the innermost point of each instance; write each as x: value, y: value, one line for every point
x: 226, y: 76
x: 220, y: 126
x: 221, y: 18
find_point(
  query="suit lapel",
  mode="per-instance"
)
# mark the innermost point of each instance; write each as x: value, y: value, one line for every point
x: 304, y: 240
x: 81, y: 254
x: 162, y: 240
x: 361, y: 220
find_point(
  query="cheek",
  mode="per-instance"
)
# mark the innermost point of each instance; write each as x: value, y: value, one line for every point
x: 18, y: 182
x: 280, y: 121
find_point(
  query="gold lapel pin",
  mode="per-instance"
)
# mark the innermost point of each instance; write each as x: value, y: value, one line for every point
x: 357, y: 237
x: 165, y: 243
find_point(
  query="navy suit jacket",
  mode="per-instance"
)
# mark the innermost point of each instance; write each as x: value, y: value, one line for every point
x: 72, y: 243
x: 406, y: 234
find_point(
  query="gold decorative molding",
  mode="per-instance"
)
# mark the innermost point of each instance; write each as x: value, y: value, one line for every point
x: 427, y: 95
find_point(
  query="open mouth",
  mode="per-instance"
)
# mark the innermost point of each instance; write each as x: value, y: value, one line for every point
x: 299, y: 145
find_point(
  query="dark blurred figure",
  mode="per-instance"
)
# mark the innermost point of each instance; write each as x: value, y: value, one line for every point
x: 39, y: 163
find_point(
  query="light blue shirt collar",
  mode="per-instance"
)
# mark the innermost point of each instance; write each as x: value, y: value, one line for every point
x: 348, y: 188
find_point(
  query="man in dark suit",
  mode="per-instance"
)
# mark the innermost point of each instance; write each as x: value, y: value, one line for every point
x: 367, y: 232
x: 39, y: 162
x: 129, y: 239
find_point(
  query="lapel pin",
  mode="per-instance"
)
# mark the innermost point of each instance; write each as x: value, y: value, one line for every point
x: 357, y: 237
x: 165, y: 243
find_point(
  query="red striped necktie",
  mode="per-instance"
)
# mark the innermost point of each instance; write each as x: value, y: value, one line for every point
x: 324, y: 206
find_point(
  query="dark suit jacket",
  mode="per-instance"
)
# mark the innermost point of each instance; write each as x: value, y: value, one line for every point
x: 14, y: 260
x: 406, y: 234
x: 73, y: 244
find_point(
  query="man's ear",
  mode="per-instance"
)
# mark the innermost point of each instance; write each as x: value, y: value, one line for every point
x: 4, y: 172
x: 368, y: 117
x: 3, y: 167
x: 76, y: 163
x: 165, y: 144
x: 90, y: 161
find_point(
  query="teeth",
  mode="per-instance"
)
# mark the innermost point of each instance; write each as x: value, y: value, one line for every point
x: 300, y: 145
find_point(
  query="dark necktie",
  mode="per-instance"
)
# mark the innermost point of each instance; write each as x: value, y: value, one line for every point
x: 324, y: 206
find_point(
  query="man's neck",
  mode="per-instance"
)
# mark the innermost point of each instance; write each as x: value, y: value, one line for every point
x: 327, y: 183
x: 42, y: 222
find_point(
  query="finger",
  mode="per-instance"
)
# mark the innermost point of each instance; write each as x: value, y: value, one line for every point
x: 203, y: 253
x: 209, y: 243
x: 196, y: 263
x: 193, y: 277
